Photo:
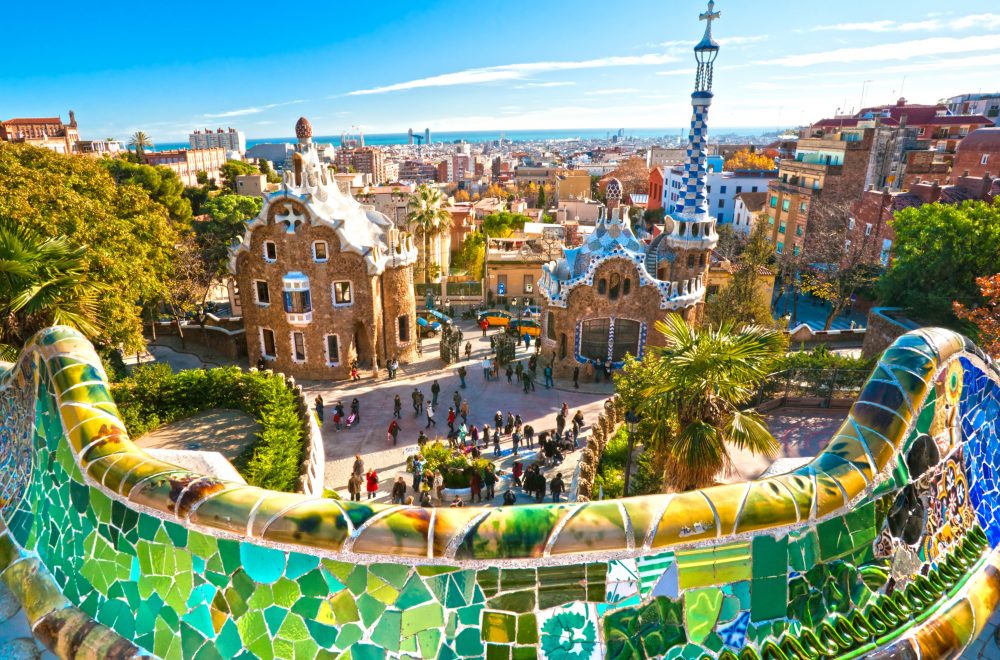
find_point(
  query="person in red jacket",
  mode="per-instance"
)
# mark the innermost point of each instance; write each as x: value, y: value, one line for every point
x: 451, y: 419
x: 372, y: 479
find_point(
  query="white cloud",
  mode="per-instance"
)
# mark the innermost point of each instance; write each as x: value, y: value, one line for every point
x: 605, y: 92
x: 554, y: 83
x: 981, y: 21
x: 250, y: 111
x: 516, y: 72
x: 904, y: 50
x: 740, y: 41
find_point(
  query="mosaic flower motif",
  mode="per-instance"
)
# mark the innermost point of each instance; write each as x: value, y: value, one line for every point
x: 569, y: 634
x: 953, y: 383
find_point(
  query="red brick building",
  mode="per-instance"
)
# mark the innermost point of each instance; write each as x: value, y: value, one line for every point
x: 869, y: 229
x: 978, y: 154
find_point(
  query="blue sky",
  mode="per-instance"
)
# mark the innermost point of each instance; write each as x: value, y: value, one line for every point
x: 168, y: 68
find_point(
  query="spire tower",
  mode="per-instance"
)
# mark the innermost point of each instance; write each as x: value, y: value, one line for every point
x: 692, y: 207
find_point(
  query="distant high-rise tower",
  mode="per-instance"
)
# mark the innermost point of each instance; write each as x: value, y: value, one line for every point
x: 411, y: 136
x: 427, y: 135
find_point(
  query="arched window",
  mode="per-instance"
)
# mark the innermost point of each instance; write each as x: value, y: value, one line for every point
x: 616, y: 282
x: 626, y: 285
x: 602, y: 286
x: 690, y: 261
x: 626, y: 339
x: 594, y: 339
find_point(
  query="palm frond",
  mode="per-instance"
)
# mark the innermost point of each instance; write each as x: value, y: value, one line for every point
x: 747, y: 430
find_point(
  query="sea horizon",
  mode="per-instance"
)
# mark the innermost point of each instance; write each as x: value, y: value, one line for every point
x: 527, y: 135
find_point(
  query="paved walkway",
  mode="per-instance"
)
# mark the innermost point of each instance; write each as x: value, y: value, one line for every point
x: 368, y: 438
x: 802, y: 432
x: 228, y: 432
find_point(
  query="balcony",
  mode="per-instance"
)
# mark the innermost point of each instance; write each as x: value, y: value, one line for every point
x: 299, y: 318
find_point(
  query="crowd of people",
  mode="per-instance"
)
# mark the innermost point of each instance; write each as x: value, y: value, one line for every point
x: 532, y: 459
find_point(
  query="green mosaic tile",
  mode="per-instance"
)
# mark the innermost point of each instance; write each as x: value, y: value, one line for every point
x: 527, y: 629
x: 387, y: 631
x: 468, y: 643
x: 768, y: 598
x: 488, y: 580
x: 769, y: 556
x: 414, y: 593
x: 516, y: 601
x: 366, y: 652
x: 497, y: 652
x: 274, y: 616
x: 701, y: 611
x: 261, y: 563
x: 429, y: 571
x: 469, y: 615
x: 348, y: 636
x: 300, y: 564
x: 515, y: 579
x: 498, y: 627
x: 394, y: 574
x: 524, y: 653
x: 344, y: 608
x: 422, y: 617
x: 370, y: 609
x: 429, y: 641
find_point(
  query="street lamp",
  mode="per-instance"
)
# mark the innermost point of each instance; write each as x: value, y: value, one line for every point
x: 632, y: 420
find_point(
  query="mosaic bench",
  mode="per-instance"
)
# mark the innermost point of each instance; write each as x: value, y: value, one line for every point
x: 883, y: 546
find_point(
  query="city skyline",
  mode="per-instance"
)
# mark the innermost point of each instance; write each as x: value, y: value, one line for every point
x: 428, y: 66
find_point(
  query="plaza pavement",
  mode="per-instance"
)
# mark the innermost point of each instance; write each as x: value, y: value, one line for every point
x: 368, y: 438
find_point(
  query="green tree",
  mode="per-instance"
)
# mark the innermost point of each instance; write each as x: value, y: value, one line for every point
x: 428, y: 218
x: 140, y: 141
x: 130, y: 239
x: 940, y: 250
x: 162, y: 184
x: 541, y: 197
x: 232, y: 169
x: 471, y: 255
x: 43, y: 281
x: 703, y: 376
x: 746, y: 300
x: 504, y: 223
x: 228, y: 215
x: 196, y: 196
x: 266, y: 170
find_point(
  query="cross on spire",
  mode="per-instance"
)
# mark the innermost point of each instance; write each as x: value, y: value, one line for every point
x: 708, y: 17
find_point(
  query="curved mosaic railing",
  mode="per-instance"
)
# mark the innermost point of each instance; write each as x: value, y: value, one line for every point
x: 881, y: 545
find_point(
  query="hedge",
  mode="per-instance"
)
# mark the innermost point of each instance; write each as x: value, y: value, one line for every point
x: 153, y: 395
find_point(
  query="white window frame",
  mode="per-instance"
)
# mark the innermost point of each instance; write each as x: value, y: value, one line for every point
x: 868, y: 229
x: 305, y: 353
x: 263, y: 345
x: 333, y: 293
x: 256, y: 294
x: 326, y: 251
x: 326, y: 350
x: 985, y: 159
x: 850, y: 224
x: 264, y: 249
x: 847, y: 245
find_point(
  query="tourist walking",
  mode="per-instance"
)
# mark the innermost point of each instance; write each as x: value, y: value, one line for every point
x: 576, y: 377
x: 435, y: 390
x: 519, y: 372
x: 484, y: 325
x: 356, y: 410
x: 486, y: 368
x: 451, y: 422
x: 461, y: 374
x: 397, y: 408
x: 456, y: 398
x: 438, y: 484
x: 516, y: 471
x: 465, y: 412
x: 319, y: 409
x: 418, y: 401
x: 548, y: 377
x: 354, y: 488
x: 496, y: 444
x: 510, y: 373
x: 515, y: 439
x: 490, y: 481
x: 556, y: 486
x: 475, y: 488
x: 418, y: 471
x: 372, y: 479
x: 398, y: 491
x: 359, y: 465
x: 468, y: 350
x: 430, y: 417
x: 394, y: 431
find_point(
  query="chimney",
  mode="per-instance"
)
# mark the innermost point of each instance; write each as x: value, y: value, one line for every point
x: 935, y: 191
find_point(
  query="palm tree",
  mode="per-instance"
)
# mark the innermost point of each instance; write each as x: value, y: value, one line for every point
x: 43, y: 282
x: 428, y: 217
x: 140, y: 141
x: 703, y: 377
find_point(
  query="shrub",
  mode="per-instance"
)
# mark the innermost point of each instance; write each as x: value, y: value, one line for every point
x: 153, y: 395
x: 456, y: 469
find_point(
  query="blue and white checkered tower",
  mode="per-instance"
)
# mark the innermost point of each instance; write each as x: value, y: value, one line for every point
x: 692, y: 222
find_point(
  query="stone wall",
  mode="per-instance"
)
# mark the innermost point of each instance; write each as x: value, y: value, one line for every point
x: 228, y: 342
x: 885, y: 325
x: 804, y: 334
x: 604, y: 429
